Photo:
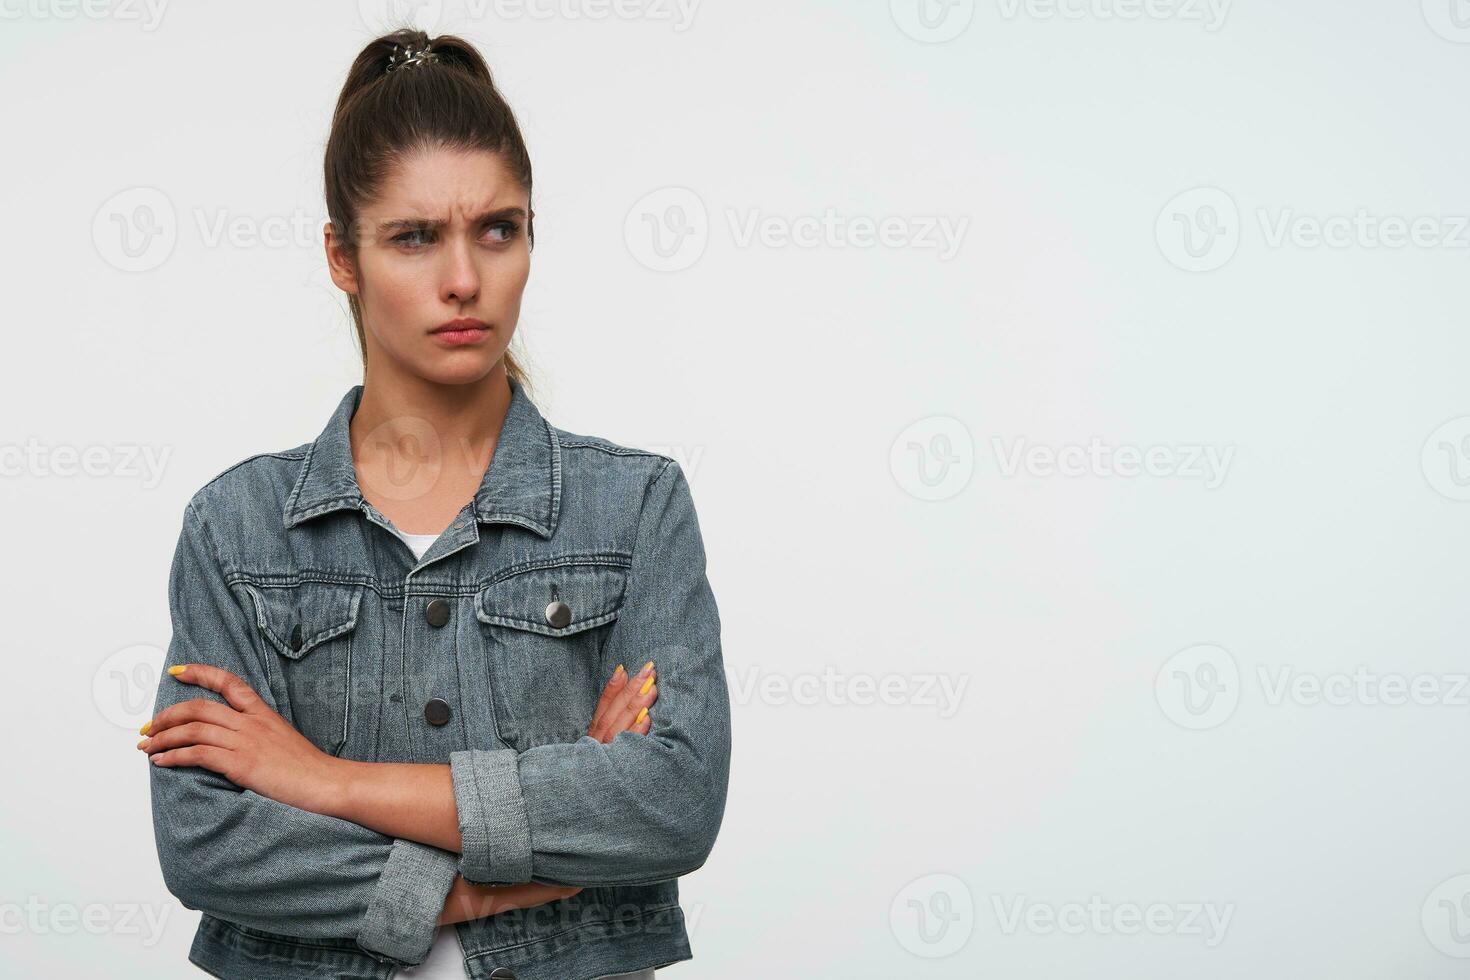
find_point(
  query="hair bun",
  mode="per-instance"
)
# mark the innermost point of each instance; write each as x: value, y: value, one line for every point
x: 409, y: 49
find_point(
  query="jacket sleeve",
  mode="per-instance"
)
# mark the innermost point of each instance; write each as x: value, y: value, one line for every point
x: 642, y: 808
x: 252, y: 860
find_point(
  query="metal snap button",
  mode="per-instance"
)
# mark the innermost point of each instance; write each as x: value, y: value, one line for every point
x: 436, y: 711
x: 437, y: 612
x: 558, y: 614
x: 296, y: 640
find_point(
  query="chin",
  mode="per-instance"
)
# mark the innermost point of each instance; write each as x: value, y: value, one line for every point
x: 459, y: 367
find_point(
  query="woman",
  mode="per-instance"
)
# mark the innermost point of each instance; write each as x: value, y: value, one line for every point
x: 396, y: 698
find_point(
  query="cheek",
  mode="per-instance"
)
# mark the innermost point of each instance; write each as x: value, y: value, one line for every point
x: 395, y: 295
x: 396, y: 287
x: 506, y: 275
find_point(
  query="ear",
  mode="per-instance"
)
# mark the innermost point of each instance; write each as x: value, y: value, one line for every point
x: 339, y: 262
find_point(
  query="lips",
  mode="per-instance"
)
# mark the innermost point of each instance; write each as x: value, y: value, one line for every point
x: 464, y: 331
x: 460, y: 325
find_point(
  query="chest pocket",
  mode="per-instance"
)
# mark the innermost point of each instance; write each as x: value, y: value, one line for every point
x: 309, y: 627
x: 544, y: 630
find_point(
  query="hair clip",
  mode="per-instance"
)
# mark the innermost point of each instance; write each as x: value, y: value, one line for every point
x: 404, y: 56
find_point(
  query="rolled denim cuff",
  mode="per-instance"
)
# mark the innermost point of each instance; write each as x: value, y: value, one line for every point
x: 403, y: 915
x: 495, y: 834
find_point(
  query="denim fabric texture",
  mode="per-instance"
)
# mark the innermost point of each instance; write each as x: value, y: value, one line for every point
x: 285, y: 575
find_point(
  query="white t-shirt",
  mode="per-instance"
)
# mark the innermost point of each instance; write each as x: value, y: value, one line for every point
x: 446, y: 959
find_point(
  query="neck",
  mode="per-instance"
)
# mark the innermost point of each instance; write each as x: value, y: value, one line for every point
x: 424, y: 422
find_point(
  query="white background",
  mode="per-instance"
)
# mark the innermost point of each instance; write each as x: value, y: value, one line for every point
x: 846, y: 413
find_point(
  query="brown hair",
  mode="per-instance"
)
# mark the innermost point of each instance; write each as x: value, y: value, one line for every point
x: 382, y: 116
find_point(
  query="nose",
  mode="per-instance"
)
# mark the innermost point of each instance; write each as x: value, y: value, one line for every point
x: 459, y: 280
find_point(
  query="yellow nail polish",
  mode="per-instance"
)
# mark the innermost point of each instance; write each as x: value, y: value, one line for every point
x: 142, y: 743
x: 646, y: 667
x: 144, y: 729
x: 641, y: 715
x: 644, y: 689
x: 176, y: 671
x: 620, y: 670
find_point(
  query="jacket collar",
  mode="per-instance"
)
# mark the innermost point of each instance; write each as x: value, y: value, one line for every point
x: 522, y: 484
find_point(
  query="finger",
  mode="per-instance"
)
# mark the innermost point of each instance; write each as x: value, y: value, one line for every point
x: 192, y: 733
x: 194, y: 709
x: 610, y: 692
x: 634, y: 688
x: 240, y: 695
x: 639, y: 722
x: 640, y: 692
x: 206, y: 756
x: 639, y: 697
x: 599, y: 728
x: 629, y: 720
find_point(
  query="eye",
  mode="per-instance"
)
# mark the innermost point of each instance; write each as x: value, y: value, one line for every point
x: 507, y: 230
x: 413, y: 237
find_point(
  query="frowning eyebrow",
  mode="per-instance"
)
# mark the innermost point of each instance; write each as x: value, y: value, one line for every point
x: 419, y: 224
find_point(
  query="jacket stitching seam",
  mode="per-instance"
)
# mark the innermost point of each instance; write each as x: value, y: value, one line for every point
x: 586, y: 925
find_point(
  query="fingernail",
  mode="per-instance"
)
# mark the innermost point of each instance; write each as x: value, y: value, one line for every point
x: 619, y: 671
x: 144, y: 729
x: 646, y: 668
x: 142, y: 743
x: 176, y: 671
x: 644, y: 689
x: 641, y: 715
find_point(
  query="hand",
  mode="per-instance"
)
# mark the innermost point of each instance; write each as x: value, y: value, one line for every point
x: 468, y: 901
x: 245, y: 741
x: 618, y: 710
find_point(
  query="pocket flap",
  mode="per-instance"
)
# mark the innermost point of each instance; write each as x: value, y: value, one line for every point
x: 591, y: 594
x: 298, y: 618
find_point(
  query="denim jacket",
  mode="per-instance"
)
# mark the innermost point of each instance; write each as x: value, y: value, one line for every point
x: 286, y: 576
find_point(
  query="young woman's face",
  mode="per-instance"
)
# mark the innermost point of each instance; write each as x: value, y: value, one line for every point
x: 445, y: 240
